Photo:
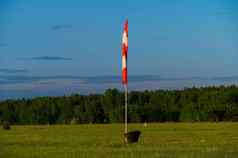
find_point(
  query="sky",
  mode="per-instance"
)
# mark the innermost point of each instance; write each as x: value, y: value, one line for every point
x: 168, y: 38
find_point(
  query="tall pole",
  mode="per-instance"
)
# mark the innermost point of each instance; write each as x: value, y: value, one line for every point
x: 126, y: 95
x: 124, y: 71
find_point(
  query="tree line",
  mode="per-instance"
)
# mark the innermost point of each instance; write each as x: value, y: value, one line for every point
x: 189, y: 104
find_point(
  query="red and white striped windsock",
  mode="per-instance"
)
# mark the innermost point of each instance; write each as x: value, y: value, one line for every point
x: 124, y: 53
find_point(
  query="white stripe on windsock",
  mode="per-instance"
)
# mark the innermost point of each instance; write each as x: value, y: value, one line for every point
x: 125, y: 39
x: 123, y: 61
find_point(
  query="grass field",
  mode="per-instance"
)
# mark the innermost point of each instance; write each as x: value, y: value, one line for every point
x: 182, y: 140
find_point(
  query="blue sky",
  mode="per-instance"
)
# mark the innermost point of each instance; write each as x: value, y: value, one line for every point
x: 169, y: 38
x: 50, y: 47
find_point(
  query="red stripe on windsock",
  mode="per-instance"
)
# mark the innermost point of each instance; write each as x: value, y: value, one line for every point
x: 126, y: 25
x: 124, y: 50
x: 124, y: 53
x: 124, y: 76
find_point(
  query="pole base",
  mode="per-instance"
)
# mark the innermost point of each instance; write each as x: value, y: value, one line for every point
x: 132, y: 137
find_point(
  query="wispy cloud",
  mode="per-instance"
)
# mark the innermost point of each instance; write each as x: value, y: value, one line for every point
x: 28, y: 86
x: 4, y: 70
x: 224, y: 13
x: 3, y: 44
x: 51, y: 58
x: 61, y: 27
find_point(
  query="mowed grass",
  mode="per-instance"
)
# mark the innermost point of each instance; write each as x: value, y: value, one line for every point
x: 168, y: 140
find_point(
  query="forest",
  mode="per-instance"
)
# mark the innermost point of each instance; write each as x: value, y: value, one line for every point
x: 187, y: 105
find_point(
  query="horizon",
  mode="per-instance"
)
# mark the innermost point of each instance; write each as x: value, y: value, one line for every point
x: 17, y: 87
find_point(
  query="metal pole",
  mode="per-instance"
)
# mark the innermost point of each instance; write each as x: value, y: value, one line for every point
x: 126, y: 93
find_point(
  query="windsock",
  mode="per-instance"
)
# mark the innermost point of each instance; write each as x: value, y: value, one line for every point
x: 124, y: 53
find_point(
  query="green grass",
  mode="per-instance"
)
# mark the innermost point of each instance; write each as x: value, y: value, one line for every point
x: 169, y: 140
